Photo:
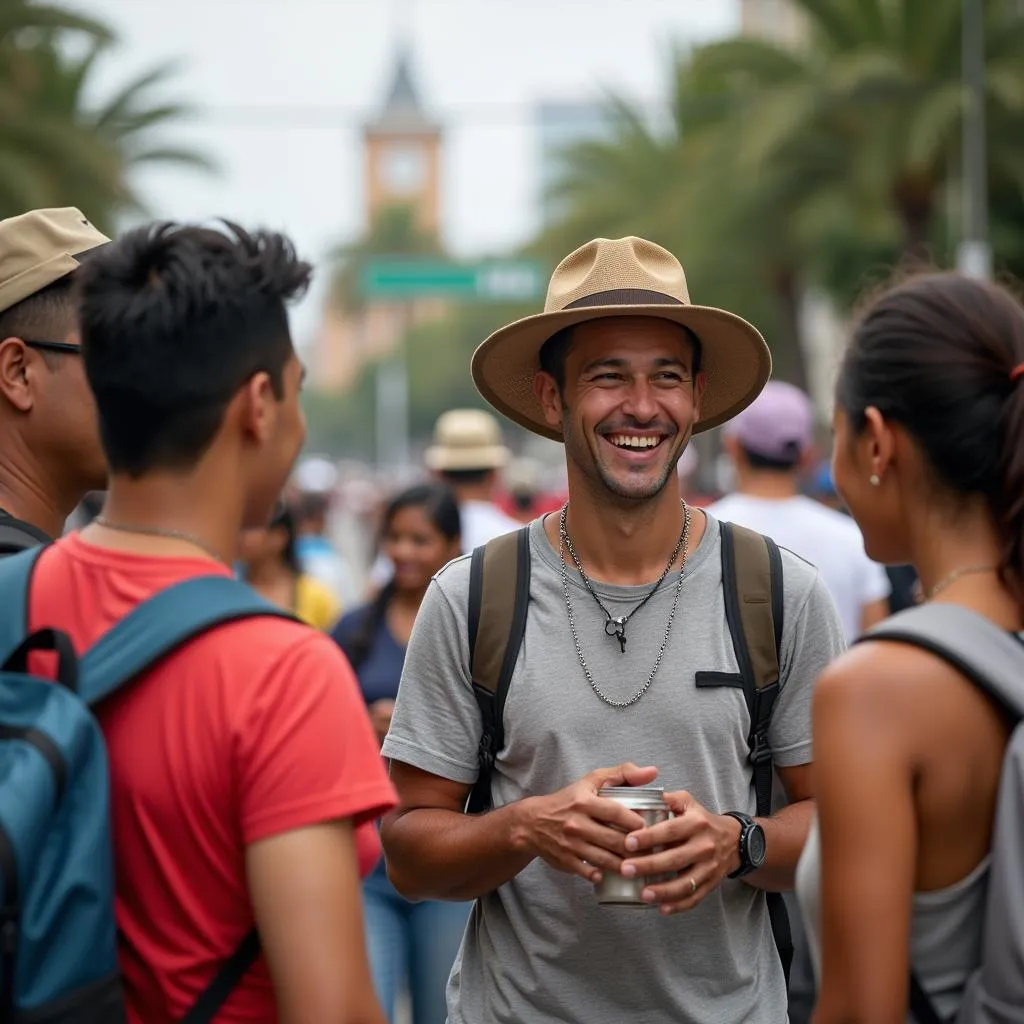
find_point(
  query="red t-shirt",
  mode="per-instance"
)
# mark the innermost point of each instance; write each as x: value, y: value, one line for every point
x: 253, y: 729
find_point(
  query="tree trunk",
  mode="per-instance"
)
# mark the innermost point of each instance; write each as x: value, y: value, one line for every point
x: 789, y: 359
x: 913, y: 196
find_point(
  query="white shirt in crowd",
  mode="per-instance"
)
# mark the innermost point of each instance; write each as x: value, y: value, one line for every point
x: 483, y: 521
x: 825, y: 538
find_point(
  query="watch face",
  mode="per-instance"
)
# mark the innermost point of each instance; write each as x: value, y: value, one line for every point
x: 756, y: 846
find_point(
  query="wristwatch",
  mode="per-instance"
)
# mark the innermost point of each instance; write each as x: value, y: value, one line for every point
x: 753, y: 847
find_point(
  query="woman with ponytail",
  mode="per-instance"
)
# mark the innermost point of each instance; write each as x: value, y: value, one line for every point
x: 411, y: 945
x: 929, y: 459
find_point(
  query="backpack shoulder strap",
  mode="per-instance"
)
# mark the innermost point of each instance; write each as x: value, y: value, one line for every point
x: 499, y: 593
x: 15, y: 578
x: 163, y: 623
x: 17, y: 535
x: 991, y: 657
x: 752, y: 586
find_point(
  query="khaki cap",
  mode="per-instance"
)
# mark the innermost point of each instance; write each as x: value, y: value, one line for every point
x: 622, y: 277
x: 466, y: 439
x: 40, y: 247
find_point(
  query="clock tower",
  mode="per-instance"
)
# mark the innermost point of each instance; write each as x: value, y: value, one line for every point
x: 403, y: 153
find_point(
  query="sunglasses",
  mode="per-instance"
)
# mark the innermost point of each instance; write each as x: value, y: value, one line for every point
x: 52, y: 346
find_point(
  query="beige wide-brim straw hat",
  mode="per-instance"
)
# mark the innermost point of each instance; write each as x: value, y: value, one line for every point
x: 622, y: 277
x: 466, y: 439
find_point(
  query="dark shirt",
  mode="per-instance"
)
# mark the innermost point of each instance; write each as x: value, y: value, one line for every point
x: 381, y: 669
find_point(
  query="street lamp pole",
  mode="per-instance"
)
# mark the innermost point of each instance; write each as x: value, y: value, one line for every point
x: 392, y: 399
x: 974, y: 254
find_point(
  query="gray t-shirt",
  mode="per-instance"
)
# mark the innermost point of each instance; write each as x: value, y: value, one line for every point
x: 540, y: 948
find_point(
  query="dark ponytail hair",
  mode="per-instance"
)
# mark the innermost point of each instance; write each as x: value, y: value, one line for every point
x: 442, y: 509
x: 285, y: 520
x: 937, y: 355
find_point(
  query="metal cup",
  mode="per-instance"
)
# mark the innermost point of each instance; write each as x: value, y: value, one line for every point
x: 649, y: 803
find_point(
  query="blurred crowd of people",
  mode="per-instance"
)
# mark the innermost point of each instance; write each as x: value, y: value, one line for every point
x: 364, y: 677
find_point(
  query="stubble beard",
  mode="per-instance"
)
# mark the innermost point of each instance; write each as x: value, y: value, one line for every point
x: 590, y: 465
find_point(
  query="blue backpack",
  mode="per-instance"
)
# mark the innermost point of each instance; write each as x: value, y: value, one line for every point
x: 58, y: 955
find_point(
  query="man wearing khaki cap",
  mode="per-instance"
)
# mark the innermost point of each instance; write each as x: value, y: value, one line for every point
x: 646, y: 634
x: 50, y: 453
x: 466, y: 454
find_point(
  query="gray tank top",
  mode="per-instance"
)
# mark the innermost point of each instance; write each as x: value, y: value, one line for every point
x: 945, y: 932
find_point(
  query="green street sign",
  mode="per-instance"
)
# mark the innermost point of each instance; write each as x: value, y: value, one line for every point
x: 488, y: 281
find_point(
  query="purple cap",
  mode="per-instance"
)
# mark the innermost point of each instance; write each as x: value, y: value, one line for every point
x: 779, y: 424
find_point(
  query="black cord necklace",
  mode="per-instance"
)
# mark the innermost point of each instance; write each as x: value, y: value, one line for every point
x: 615, y: 625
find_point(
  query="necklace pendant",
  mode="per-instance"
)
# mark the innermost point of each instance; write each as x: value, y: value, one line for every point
x: 616, y: 627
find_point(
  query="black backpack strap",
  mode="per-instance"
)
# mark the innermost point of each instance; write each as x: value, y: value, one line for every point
x: 17, y: 535
x: 752, y: 586
x: 921, y: 1005
x: 215, y: 994
x: 47, y: 639
x: 499, y: 595
x: 15, y: 582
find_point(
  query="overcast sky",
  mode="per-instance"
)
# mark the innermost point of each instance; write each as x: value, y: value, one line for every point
x: 283, y: 87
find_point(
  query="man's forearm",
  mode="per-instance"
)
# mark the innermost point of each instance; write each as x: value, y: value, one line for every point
x: 785, y: 834
x: 446, y: 855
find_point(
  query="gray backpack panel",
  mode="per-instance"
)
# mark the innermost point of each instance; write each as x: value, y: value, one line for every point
x: 993, y: 659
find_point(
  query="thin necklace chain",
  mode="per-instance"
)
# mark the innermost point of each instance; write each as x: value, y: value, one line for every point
x: 618, y: 623
x: 967, y: 570
x: 611, y: 702
x: 158, y: 531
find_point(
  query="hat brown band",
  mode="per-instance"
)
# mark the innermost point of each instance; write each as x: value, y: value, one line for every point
x: 626, y: 297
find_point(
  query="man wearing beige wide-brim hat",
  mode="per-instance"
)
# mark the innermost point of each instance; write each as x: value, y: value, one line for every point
x: 50, y: 453
x: 651, y: 646
x: 467, y: 454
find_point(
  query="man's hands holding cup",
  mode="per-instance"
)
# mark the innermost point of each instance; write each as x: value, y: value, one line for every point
x: 578, y: 831
x: 697, y: 847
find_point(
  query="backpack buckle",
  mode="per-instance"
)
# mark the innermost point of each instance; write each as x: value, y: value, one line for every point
x: 485, y: 751
x: 760, y: 750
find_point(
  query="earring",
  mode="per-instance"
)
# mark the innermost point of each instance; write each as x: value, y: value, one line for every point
x: 874, y: 479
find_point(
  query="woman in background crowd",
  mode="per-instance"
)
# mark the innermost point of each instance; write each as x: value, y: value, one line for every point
x: 929, y: 459
x: 271, y: 566
x: 413, y: 943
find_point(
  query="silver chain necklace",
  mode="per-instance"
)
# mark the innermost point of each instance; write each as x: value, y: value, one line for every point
x: 682, y: 546
x: 949, y: 580
x: 615, y: 625
x: 158, y: 531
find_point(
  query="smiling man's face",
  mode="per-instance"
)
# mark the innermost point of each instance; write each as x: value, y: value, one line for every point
x: 628, y: 404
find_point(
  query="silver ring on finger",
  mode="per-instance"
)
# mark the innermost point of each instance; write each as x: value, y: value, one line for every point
x: 693, y: 885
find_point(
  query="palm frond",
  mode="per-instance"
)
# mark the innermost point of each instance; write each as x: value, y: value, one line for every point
x: 936, y: 124
x: 18, y: 16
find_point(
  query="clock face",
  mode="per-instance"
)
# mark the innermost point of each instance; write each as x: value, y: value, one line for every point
x: 404, y: 168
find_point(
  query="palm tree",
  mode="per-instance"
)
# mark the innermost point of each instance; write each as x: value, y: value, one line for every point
x: 107, y: 140
x: 28, y: 145
x: 880, y: 80
x: 737, y: 238
x: 58, y: 149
